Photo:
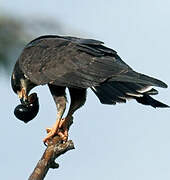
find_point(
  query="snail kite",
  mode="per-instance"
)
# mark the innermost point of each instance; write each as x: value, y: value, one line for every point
x: 77, y: 64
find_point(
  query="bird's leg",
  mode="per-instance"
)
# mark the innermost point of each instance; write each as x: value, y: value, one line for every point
x: 58, y: 94
x: 64, y: 126
x: 55, y: 128
x: 78, y: 98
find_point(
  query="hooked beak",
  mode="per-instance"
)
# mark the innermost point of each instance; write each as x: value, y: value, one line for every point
x: 23, y: 96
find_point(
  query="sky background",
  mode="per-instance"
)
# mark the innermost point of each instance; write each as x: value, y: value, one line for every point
x: 127, y: 141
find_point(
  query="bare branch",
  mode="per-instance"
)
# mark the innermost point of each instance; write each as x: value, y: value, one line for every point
x: 54, y: 149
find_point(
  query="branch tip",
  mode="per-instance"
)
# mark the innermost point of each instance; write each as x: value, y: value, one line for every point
x: 54, y: 165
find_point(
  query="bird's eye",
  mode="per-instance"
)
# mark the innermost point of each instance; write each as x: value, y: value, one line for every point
x: 26, y: 112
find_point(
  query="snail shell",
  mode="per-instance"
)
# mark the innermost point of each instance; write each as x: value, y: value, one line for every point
x: 27, y: 111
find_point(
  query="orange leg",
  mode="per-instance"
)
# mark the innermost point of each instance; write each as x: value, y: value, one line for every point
x: 64, y: 125
x: 60, y: 128
x: 58, y: 93
x: 52, y: 131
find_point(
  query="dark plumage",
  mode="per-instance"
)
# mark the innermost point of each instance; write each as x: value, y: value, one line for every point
x: 78, y: 64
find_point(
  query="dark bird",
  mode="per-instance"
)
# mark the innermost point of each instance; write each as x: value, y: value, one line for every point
x: 77, y: 64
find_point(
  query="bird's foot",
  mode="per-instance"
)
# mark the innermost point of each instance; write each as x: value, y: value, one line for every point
x: 51, y: 133
x: 61, y: 131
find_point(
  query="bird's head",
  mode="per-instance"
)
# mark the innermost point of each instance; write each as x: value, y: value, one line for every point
x: 21, y: 85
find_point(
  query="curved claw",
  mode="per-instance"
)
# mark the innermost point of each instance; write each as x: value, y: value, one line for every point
x: 51, y: 132
x: 48, y: 130
x: 62, y: 132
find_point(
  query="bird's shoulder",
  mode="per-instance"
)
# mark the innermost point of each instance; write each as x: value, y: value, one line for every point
x: 90, y: 46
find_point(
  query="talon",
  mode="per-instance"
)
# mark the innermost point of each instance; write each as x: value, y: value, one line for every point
x: 63, y: 135
x: 48, y: 130
x: 51, y: 132
x: 61, y: 130
x: 66, y: 133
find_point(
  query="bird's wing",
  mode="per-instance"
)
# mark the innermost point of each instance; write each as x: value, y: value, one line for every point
x: 75, y: 62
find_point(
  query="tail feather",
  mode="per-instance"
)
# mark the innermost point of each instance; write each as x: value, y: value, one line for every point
x: 156, y: 82
x: 148, y: 100
x: 119, y: 92
x: 138, y: 78
x: 108, y: 95
x: 152, y: 92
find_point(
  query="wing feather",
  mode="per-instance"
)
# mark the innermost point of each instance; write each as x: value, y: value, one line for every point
x: 76, y: 62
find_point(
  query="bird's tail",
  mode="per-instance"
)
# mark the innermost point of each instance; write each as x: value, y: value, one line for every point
x: 138, y: 78
x: 118, y: 92
x: 148, y: 100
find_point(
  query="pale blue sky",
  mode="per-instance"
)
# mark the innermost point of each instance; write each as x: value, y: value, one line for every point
x: 128, y: 141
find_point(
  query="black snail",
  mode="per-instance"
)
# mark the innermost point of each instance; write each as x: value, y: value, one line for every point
x: 28, y: 110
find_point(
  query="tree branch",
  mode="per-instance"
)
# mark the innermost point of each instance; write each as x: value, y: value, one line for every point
x: 55, y: 148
